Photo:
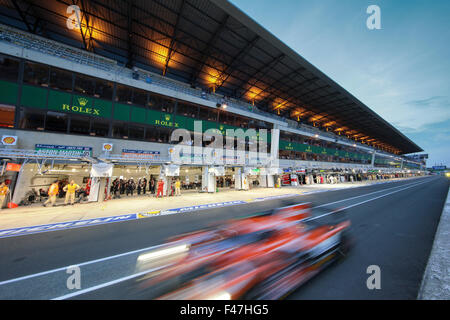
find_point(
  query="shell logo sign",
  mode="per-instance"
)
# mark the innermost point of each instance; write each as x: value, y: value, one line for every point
x: 9, y: 140
x: 107, y: 146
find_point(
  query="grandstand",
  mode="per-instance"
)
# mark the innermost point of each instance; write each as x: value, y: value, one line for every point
x: 138, y: 62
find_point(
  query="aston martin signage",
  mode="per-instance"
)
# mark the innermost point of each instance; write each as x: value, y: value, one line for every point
x: 59, y: 150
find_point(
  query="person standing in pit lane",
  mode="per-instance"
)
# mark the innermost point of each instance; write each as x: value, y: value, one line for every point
x: 4, y: 190
x: 70, y: 190
x: 178, y: 188
x: 160, y: 188
x: 139, y: 187
x: 144, y: 185
x: 52, y: 193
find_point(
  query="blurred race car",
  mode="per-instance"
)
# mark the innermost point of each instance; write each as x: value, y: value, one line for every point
x: 261, y: 257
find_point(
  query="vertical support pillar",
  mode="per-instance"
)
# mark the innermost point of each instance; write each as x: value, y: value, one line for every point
x: 270, y: 181
x: 208, y: 180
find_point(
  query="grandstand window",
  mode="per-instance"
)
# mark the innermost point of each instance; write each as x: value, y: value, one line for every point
x: 32, y: 119
x: 160, y: 103
x: 140, y: 97
x: 227, y: 118
x: 9, y: 68
x: 104, y: 89
x: 136, y: 132
x: 7, y: 114
x: 120, y: 130
x: 36, y: 74
x: 187, y: 110
x: 123, y: 94
x: 151, y: 134
x: 80, y: 124
x: 84, y: 85
x: 208, y: 114
x: 241, y: 122
x: 100, y: 127
x: 61, y: 79
x: 56, y: 122
x: 164, y: 135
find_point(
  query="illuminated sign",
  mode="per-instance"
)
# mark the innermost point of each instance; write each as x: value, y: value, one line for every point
x: 13, y: 167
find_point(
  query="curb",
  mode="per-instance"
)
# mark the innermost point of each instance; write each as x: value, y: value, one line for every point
x: 436, y: 279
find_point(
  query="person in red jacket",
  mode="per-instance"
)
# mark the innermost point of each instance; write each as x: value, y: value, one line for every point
x: 160, y: 188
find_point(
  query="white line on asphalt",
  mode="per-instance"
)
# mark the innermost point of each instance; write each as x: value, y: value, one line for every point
x: 153, y: 247
x: 106, y: 284
x: 365, y: 201
x: 74, y: 294
x: 79, y: 265
x: 367, y: 194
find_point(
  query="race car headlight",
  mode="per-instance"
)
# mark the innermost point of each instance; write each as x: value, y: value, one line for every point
x: 157, y: 254
x: 222, y: 295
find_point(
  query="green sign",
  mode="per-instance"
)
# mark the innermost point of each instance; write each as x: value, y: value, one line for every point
x: 81, y: 105
x: 300, y: 147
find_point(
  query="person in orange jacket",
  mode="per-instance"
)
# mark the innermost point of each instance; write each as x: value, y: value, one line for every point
x: 52, y: 193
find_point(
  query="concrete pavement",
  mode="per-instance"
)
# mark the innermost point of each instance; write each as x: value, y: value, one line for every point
x: 436, y: 280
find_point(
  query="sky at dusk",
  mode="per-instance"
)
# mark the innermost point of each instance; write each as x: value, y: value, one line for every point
x: 402, y: 71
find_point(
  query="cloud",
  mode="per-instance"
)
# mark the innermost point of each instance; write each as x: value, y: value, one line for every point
x: 420, y: 115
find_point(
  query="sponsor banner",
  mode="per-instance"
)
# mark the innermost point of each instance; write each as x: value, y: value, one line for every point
x: 144, y: 154
x: 203, y: 207
x: 107, y: 147
x: 9, y: 140
x: 64, y: 225
x: 57, y: 150
x: 13, y: 167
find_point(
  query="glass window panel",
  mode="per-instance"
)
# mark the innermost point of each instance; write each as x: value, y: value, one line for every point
x: 140, y: 97
x: 9, y: 68
x: 136, y: 132
x: 187, y: 110
x: 120, y: 130
x: 104, y: 89
x: 36, y: 74
x: 152, y: 134
x: 61, y: 79
x: 32, y: 119
x: 100, y: 127
x: 164, y: 135
x: 56, y: 121
x: 80, y: 125
x: 84, y: 85
x: 160, y: 103
x: 123, y: 94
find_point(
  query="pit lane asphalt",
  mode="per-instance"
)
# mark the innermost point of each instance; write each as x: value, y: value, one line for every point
x: 394, y: 232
